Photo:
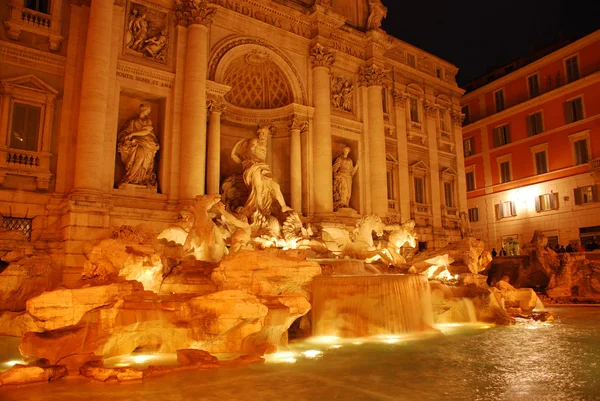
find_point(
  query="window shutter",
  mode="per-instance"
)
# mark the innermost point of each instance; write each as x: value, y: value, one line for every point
x: 513, y: 211
x: 496, y: 137
x: 530, y: 131
x: 538, y: 204
x: 539, y: 126
x: 578, y: 110
x: 595, y: 193
x: 554, y: 201
x: 507, y: 137
x: 499, y: 211
x: 578, y: 196
x: 568, y: 113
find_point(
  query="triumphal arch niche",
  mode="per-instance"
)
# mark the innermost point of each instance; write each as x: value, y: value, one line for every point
x: 262, y: 88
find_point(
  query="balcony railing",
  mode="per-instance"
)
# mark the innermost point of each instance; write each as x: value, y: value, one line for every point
x: 595, y: 164
x: 393, y: 205
x: 26, y: 163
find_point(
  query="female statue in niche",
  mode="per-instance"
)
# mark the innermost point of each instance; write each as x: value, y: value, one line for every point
x: 343, y: 171
x: 137, y: 144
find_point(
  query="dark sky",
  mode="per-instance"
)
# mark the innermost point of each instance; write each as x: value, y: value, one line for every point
x: 479, y: 35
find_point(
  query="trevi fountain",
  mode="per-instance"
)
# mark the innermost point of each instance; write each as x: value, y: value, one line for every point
x: 271, y: 261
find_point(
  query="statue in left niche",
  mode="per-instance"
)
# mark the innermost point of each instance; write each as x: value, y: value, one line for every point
x: 138, y: 144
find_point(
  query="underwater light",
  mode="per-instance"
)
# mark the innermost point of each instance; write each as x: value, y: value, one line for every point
x: 336, y: 346
x: 141, y: 358
x: 312, y: 353
x: 325, y: 339
x: 14, y: 362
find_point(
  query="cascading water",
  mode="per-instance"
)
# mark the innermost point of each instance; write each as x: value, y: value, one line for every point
x: 362, y: 306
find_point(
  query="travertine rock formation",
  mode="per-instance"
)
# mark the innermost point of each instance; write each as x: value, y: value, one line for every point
x: 467, y: 255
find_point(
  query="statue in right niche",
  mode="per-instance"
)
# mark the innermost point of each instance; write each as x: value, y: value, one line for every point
x: 138, y: 144
x: 343, y: 171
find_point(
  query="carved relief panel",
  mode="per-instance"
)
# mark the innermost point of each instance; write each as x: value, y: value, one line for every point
x: 147, y: 32
x: 342, y: 94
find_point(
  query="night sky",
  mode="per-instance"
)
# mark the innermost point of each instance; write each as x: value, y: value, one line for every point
x: 477, y: 36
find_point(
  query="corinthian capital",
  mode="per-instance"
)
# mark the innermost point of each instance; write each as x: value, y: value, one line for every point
x: 457, y: 117
x: 298, y: 124
x: 373, y: 75
x: 430, y: 108
x: 400, y: 97
x: 190, y: 12
x: 320, y: 56
x: 215, y: 105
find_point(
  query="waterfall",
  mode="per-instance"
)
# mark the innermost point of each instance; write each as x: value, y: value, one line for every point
x: 360, y: 306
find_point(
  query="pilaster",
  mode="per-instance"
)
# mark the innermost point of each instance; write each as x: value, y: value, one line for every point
x: 400, y: 104
x: 434, y: 163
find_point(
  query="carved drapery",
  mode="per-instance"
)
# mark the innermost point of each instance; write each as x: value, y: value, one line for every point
x: 190, y: 12
x: 373, y: 75
x: 400, y: 98
x: 321, y: 56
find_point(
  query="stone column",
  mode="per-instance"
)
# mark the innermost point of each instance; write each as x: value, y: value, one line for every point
x: 296, y: 128
x: 197, y: 16
x: 461, y: 189
x: 400, y: 99
x: 434, y: 163
x: 213, y: 165
x: 374, y: 78
x: 322, y: 60
x: 89, y: 153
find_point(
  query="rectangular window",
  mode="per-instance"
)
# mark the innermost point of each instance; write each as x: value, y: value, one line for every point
x: 449, y: 194
x: 465, y: 111
x: 469, y: 146
x: 572, y: 69
x: 439, y: 72
x: 506, y: 209
x: 443, y: 122
x: 541, y: 164
x: 573, y: 110
x: 533, y: 82
x: 470, y: 176
x: 474, y: 214
x: 587, y: 194
x: 25, y: 127
x: 411, y: 60
x: 38, y: 5
x: 546, y: 202
x: 501, y: 135
x: 534, y: 124
x: 581, y: 152
x: 499, y: 100
x: 414, y: 110
x: 419, y: 190
x: 505, y: 172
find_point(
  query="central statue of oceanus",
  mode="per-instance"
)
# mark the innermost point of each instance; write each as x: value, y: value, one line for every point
x: 265, y: 195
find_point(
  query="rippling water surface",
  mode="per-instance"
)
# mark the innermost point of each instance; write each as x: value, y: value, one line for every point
x: 531, y: 361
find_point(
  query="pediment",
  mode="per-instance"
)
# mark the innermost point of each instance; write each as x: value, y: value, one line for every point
x: 448, y: 171
x: 30, y: 82
x: 419, y: 165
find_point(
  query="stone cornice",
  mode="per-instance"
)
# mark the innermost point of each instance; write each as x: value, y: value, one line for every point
x: 373, y: 75
x: 321, y: 56
x: 141, y: 73
x: 35, y: 59
x: 216, y: 89
x: 346, y: 124
x: 192, y: 12
x: 536, y: 101
x: 282, y: 115
x: 534, y: 66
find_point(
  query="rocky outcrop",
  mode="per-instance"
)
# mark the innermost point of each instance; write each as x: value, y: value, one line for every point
x: 28, y: 273
x: 118, y: 259
x: 279, y: 279
x: 20, y: 374
x: 119, y: 318
x: 464, y: 256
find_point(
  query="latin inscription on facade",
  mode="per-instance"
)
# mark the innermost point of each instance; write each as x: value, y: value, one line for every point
x: 263, y: 16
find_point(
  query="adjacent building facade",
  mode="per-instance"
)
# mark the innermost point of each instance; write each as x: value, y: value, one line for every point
x: 531, y: 139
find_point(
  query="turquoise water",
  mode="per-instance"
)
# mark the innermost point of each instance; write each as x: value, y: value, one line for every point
x: 530, y: 361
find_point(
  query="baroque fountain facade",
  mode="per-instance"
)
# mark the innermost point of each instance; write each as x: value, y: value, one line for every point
x: 198, y: 164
